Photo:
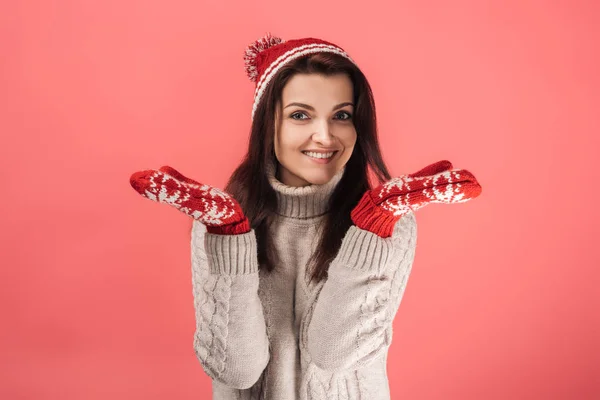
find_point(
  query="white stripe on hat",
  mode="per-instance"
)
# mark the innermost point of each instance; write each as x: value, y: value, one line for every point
x: 289, y: 56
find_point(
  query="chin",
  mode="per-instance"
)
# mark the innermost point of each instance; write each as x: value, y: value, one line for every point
x: 319, y: 178
x: 318, y: 181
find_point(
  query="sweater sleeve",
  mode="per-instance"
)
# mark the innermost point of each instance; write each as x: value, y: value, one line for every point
x: 230, y: 340
x: 351, y: 324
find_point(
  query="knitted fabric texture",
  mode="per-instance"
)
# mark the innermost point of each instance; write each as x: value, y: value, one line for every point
x: 380, y: 208
x: 264, y: 57
x: 277, y: 335
x: 214, y: 208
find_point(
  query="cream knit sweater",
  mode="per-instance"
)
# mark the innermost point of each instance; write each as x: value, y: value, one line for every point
x: 274, y: 336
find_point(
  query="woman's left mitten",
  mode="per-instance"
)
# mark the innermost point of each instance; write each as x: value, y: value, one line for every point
x: 380, y: 208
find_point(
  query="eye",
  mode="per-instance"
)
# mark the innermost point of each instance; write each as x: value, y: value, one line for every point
x: 297, y: 113
x: 349, y: 116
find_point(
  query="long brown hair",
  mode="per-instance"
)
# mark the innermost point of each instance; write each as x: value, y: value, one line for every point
x: 249, y: 184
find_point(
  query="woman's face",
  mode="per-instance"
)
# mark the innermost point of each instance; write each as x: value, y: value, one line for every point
x: 314, y: 128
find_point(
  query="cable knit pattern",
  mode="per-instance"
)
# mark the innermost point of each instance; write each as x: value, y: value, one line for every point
x: 229, y: 313
x: 274, y: 336
x: 362, y: 277
x: 211, y: 343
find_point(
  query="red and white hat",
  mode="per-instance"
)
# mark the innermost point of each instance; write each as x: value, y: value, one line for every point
x: 264, y: 57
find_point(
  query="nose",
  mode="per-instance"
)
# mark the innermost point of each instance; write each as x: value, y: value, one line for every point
x: 323, y: 135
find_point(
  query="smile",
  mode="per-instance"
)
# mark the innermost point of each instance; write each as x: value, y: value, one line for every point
x: 321, y: 158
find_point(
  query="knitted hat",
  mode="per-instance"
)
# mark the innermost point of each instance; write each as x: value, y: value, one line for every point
x: 264, y: 57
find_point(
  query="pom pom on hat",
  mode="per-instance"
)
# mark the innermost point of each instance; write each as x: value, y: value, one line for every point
x: 254, y: 49
x: 264, y: 57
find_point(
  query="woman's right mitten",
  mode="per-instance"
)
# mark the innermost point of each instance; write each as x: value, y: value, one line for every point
x: 217, y: 210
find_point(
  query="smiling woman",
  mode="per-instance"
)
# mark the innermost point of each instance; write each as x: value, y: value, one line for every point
x: 299, y: 266
x: 314, y: 139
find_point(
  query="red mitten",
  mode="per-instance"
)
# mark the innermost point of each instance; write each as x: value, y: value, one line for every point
x: 212, y: 207
x: 379, y: 209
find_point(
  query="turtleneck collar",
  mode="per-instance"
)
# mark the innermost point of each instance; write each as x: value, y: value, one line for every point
x: 302, y: 202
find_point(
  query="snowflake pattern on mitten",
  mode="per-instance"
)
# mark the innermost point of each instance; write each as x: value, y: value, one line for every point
x: 380, y: 208
x: 219, y: 211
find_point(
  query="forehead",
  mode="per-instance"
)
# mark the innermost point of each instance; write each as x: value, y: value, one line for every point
x: 318, y: 89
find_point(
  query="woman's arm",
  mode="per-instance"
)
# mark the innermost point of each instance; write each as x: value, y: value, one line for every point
x: 231, y: 339
x: 351, y: 324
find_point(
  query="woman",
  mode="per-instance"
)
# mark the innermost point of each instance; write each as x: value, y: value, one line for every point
x: 300, y: 265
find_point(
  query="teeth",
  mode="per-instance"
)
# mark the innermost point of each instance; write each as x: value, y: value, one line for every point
x: 319, y: 155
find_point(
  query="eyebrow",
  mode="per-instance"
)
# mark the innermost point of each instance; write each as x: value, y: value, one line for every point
x: 313, y: 109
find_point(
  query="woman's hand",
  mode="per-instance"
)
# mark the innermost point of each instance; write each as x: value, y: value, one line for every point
x: 379, y: 209
x: 212, y: 207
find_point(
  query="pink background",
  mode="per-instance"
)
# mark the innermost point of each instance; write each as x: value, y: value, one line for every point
x: 96, y: 282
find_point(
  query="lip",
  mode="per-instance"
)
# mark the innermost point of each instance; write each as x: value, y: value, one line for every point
x: 321, y: 151
x: 322, y: 160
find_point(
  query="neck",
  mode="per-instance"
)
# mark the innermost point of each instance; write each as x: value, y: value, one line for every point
x: 304, y: 201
